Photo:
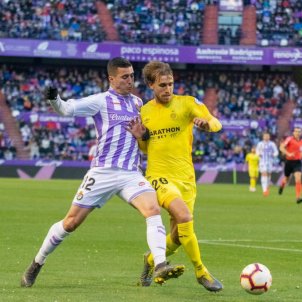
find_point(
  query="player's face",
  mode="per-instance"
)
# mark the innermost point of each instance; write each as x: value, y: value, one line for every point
x: 266, y: 137
x: 163, y: 88
x: 297, y: 133
x: 123, y: 81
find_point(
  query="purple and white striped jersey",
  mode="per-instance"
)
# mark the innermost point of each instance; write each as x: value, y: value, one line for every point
x: 267, y: 151
x: 111, y: 113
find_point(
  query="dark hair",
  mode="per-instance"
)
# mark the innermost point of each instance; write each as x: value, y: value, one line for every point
x: 116, y: 63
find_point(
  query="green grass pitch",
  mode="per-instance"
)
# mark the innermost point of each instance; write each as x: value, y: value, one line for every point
x: 102, y: 260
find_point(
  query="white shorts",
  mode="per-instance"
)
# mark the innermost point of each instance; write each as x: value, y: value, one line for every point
x: 266, y: 167
x: 100, y: 184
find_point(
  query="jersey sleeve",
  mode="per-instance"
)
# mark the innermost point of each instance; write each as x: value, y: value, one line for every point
x: 87, y: 106
x: 276, y: 151
x: 199, y: 109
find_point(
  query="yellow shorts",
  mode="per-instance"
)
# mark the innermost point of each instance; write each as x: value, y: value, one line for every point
x: 253, y: 173
x: 169, y: 189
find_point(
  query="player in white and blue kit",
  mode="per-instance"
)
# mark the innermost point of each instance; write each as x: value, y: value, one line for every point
x: 267, y: 152
x: 115, y: 169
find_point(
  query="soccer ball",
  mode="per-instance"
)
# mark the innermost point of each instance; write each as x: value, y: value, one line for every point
x: 256, y: 279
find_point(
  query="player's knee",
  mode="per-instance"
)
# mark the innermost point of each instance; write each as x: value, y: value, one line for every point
x: 153, y: 209
x: 183, y: 216
x: 70, y: 224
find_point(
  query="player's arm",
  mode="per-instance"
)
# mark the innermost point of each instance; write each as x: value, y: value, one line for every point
x: 140, y: 132
x: 283, y: 148
x: 61, y: 107
x: 205, y: 120
x: 258, y: 149
x: 276, y: 152
x: 87, y: 106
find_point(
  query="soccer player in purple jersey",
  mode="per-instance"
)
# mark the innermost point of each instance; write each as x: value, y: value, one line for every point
x: 267, y: 152
x: 114, y: 170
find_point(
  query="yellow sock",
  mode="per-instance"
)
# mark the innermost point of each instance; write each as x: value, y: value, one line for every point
x: 253, y: 183
x: 189, y: 242
x: 171, y: 248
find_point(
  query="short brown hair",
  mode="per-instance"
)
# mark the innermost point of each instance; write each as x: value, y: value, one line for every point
x: 116, y: 63
x: 154, y: 69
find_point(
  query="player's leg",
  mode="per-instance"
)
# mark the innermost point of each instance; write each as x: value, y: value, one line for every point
x: 264, y: 182
x: 93, y: 192
x: 148, y: 206
x: 55, y: 236
x: 297, y: 176
x: 137, y: 191
x: 187, y: 237
x: 285, y: 179
x: 252, y: 174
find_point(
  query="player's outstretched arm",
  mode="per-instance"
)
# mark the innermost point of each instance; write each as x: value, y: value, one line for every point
x: 213, y: 125
x: 59, y: 106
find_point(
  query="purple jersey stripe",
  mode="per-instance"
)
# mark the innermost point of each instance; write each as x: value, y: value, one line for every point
x: 129, y: 154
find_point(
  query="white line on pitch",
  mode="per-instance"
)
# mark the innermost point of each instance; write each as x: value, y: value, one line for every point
x: 250, y: 246
x: 253, y: 240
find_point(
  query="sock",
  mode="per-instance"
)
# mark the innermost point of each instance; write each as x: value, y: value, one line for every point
x: 171, y: 249
x: 253, y: 183
x: 189, y: 242
x: 54, y: 237
x: 298, y: 189
x: 156, y: 238
x: 264, y: 183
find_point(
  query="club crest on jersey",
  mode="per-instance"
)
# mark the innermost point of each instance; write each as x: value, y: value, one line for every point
x: 80, y: 195
x: 197, y: 101
x: 173, y: 115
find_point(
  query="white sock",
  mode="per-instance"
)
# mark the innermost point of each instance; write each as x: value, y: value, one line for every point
x: 264, y: 183
x: 156, y: 238
x: 54, y: 237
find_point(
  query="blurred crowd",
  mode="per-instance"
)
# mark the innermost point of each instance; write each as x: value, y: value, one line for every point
x: 174, y: 22
x: 72, y: 20
x: 241, y: 96
x: 177, y: 22
x: 279, y: 22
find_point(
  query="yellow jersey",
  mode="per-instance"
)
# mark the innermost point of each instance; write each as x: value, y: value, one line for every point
x: 169, y: 147
x: 253, y: 160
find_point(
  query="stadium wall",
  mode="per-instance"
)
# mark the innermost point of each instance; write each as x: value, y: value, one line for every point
x: 31, y: 169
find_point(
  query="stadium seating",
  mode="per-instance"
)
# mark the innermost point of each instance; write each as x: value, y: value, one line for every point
x: 158, y: 22
x: 54, y: 20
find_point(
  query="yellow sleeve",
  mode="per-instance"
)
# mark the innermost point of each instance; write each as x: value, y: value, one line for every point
x: 201, y: 110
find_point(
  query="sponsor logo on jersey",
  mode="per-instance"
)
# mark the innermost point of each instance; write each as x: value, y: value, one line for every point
x: 141, y: 183
x: 165, y: 131
x: 117, y: 117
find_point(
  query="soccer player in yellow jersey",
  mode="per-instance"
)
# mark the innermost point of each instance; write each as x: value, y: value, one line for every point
x: 252, y: 160
x: 165, y: 134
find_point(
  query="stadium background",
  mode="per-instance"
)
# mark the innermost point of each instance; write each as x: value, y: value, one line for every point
x: 242, y: 58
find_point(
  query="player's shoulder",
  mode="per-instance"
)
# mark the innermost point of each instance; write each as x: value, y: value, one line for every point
x: 186, y: 99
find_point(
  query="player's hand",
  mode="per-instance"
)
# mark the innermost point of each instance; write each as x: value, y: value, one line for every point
x: 136, y: 128
x: 201, y: 124
x: 50, y: 93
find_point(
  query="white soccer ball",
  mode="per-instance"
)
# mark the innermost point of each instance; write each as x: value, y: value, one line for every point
x: 256, y: 278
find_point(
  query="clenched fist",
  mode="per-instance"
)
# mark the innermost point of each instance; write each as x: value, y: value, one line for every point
x: 50, y: 93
